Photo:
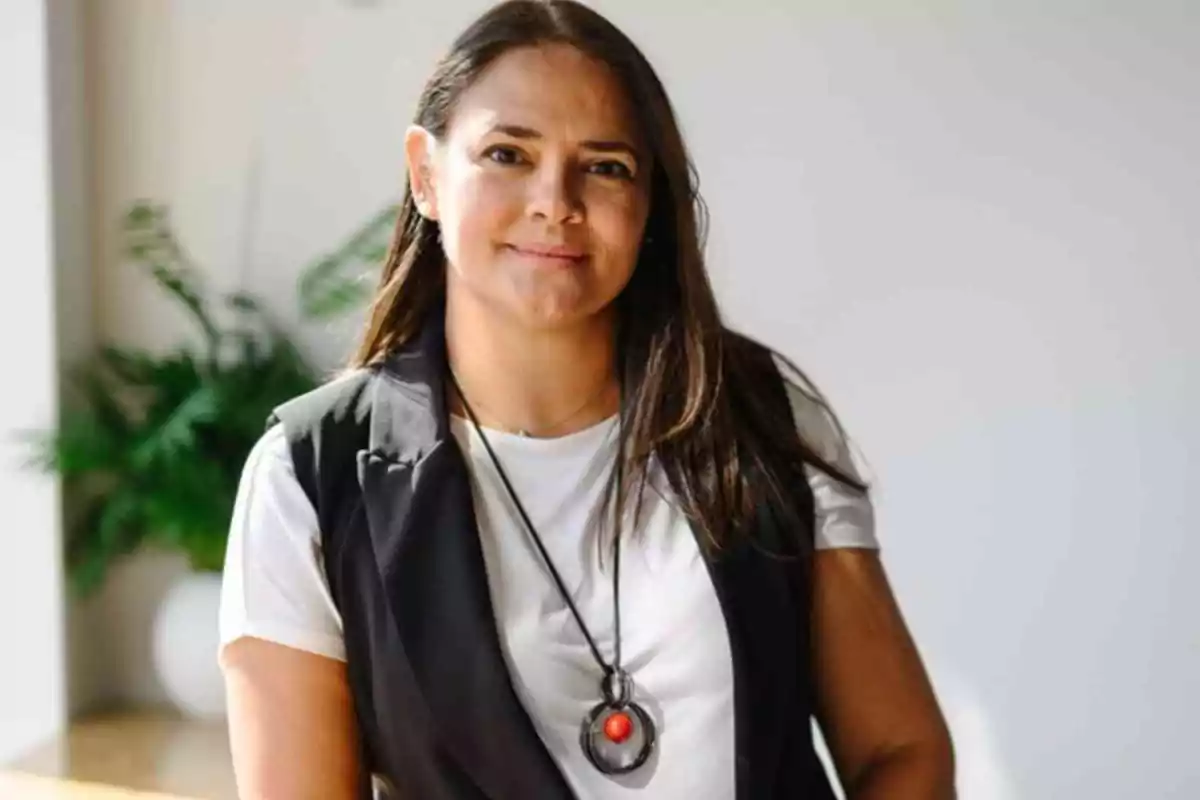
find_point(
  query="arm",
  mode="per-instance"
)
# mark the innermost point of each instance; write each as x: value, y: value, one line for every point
x: 875, y: 704
x: 291, y: 723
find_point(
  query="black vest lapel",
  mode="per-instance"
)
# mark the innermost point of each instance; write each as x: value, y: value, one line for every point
x: 756, y: 596
x: 419, y: 511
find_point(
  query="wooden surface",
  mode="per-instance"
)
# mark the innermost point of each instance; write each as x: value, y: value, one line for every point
x: 14, y: 786
x: 141, y: 755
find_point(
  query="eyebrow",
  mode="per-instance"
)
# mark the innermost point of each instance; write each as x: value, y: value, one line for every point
x: 599, y: 145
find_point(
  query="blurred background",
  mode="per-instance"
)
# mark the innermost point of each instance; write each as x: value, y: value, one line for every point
x: 976, y: 224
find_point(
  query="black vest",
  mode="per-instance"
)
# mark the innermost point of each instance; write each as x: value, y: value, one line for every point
x: 438, y: 715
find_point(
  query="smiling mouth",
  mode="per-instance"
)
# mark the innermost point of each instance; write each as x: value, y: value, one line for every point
x: 551, y: 255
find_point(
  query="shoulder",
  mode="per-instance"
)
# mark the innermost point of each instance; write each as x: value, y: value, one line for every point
x: 270, y: 454
x: 809, y: 412
x: 814, y: 418
x: 343, y: 396
x: 844, y: 512
x: 269, y: 477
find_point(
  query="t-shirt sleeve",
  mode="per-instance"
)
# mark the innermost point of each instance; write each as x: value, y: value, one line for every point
x: 845, y: 517
x: 274, y: 585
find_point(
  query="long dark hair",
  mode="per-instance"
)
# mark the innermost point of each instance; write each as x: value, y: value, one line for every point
x: 696, y: 396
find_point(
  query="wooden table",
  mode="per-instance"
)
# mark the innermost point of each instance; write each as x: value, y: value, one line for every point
x: 143, y: 755
x: 14, y: 786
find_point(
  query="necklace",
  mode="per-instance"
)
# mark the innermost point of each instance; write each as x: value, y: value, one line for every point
x: 617, y: 735
x: 549, y: 427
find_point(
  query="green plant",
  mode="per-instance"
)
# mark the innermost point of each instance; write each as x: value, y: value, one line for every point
x: 152, y: 450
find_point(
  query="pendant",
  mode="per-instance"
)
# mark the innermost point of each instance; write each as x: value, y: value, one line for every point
x: 617, y: 734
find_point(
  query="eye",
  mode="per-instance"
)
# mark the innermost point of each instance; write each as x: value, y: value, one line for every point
x: 611, y: 169
x: 503, y: 154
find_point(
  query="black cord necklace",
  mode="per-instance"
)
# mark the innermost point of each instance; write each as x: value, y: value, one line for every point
x: 617, y: 734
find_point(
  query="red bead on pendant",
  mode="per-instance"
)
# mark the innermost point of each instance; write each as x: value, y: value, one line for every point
x: 618, y: 727
x: 617, y: 735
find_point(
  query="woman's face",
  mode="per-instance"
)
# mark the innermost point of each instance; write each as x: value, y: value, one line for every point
x: 540, y: 187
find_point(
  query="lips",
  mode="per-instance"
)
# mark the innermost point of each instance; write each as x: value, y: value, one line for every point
x: 555, y: 253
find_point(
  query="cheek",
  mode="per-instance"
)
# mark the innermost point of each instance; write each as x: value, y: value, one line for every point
x: 474, y: 214
x: 618, y: 225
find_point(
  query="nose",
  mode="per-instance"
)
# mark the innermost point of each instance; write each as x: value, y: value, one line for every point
x: 555, y: 196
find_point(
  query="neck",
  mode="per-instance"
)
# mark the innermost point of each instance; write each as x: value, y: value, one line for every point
x: 542, y: 382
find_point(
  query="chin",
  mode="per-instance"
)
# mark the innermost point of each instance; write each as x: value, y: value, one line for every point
x: 536, y: 303
x: 550, y: 314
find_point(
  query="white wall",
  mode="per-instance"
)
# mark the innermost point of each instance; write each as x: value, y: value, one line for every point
x: 976, y: 224
x: 32, y: 675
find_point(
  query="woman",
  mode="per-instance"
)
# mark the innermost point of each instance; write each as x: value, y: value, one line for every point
x: 558, y: 532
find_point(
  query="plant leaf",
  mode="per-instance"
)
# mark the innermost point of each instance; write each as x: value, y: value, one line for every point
x: 153, y: 449
x: 178, y: 430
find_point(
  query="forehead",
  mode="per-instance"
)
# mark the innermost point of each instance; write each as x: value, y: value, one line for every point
x: 555, y: 88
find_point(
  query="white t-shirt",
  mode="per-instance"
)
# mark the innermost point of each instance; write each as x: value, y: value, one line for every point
x: 674, y: 641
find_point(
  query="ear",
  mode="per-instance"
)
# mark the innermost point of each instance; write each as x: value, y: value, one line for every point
x: 420, y: 149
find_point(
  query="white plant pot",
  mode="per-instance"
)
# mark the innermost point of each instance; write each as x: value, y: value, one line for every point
x: 186, y: 638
